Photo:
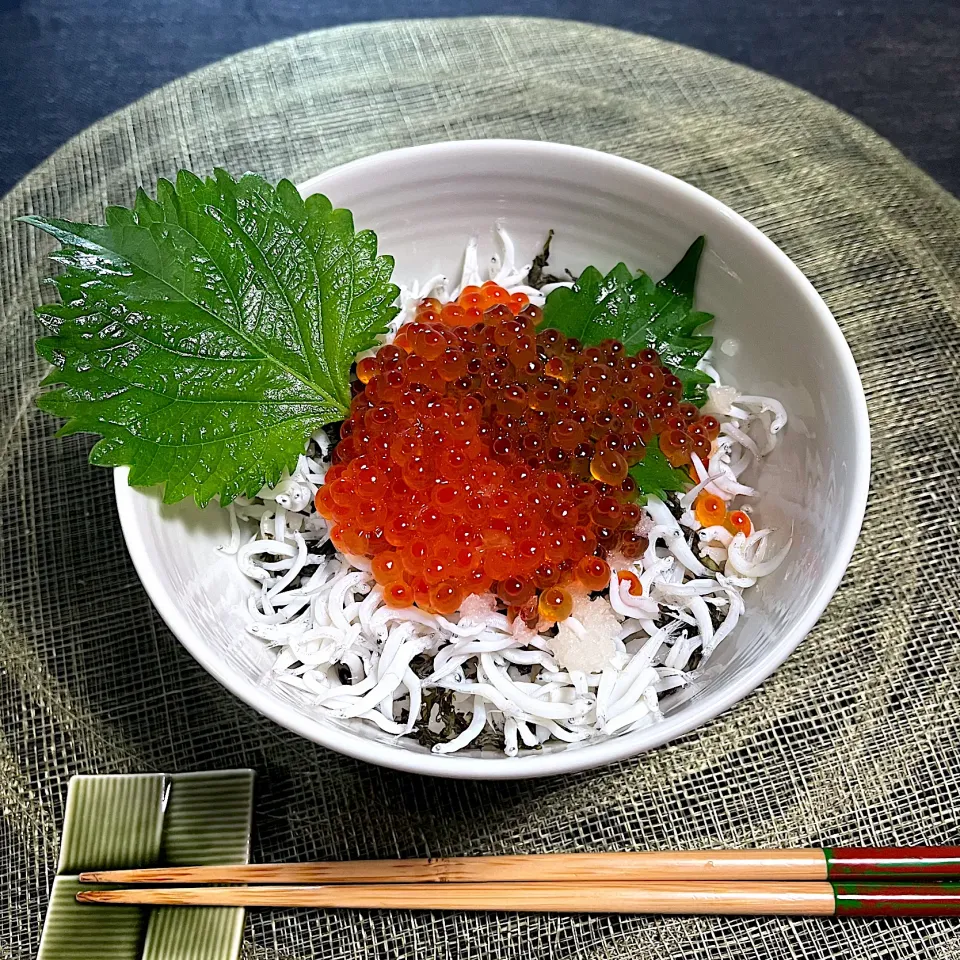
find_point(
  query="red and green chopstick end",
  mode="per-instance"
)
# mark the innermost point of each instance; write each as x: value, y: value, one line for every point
x: 896, y: 899
x: 892, y: 863
x: 892, y: 882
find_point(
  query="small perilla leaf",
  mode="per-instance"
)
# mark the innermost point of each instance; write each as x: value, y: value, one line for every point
x: 655, y: 476
x: 639, y: 313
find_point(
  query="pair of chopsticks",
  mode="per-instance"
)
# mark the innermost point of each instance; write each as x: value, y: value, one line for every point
x: 907, y: 881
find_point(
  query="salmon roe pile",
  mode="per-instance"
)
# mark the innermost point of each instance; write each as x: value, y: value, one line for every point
x: 481, y: 455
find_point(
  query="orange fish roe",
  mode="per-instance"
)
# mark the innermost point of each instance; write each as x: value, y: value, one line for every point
x: 739, y: 522
x: 482, y: 455
x: 635, y: 588
x: 555, y: 604
x: 710, y: 510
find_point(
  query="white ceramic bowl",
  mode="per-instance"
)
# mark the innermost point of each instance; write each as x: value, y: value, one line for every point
x: 423, y: 203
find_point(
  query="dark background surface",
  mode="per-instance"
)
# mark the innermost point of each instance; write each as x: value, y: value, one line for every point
x: 895, y: 64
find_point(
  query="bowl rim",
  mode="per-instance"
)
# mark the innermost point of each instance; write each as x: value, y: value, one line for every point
x: 603, y: 752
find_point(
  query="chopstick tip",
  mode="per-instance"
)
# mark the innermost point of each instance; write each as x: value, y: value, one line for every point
x: 90, y: 896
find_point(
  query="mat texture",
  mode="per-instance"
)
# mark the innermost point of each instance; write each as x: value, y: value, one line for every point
x: 854, y: 740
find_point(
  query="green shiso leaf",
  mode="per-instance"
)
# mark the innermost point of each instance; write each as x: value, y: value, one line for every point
x: 206, y: 334
x: 655, y: 476
x: 641, y: 314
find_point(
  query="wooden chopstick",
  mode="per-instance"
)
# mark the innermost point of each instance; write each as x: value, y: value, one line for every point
x: 751, y: 898
x: 759, y: 898
x: 925, y: 863
x: 581, y: 867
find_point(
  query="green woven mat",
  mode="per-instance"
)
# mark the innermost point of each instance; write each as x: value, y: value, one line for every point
x: 852, y: 741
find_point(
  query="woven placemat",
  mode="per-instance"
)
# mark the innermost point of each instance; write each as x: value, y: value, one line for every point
x: 854, y: 740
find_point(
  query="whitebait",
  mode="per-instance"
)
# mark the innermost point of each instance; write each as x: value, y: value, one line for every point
x: 343, y: 651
